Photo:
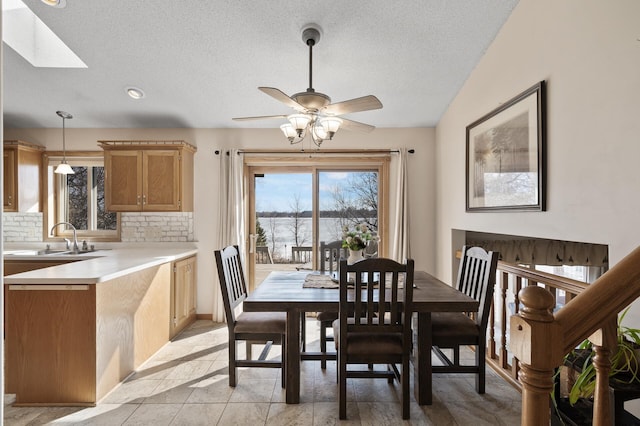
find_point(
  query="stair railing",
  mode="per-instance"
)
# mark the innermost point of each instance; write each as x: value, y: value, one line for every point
x: 539, y: 339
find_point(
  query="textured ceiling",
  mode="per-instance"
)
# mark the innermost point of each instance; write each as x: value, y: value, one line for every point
x: 200, y: 62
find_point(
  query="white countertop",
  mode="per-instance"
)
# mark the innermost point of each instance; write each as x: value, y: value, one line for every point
x: 97, y: 266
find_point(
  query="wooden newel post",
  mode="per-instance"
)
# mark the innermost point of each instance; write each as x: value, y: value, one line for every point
x: 536, y: 342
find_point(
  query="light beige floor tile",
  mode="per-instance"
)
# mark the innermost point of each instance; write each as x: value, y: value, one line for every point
x: 211, y: 390
x: 190, y: 370
x: 153, y: 414
x: 381, y: 413
x: 100, y: 415
x: 290, y: 414
x: 131, y: 392
x: 244, y: 414
x: 154, y: 370
x: 253, y: 391
x: 170, y: 392
x: 199, y: 414
x: 23, y: 416
x: 376, y: 390
x: 326, y: 414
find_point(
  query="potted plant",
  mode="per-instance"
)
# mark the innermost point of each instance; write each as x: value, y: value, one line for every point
x: 625, y: 366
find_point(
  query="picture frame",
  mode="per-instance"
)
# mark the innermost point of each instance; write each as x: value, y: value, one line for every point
x: 505, y: 156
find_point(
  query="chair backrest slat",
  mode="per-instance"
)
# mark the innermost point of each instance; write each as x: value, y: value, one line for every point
x: 477, y: 277
x: 371, y: 292
x: 232, y: 282
x: 330, y: 255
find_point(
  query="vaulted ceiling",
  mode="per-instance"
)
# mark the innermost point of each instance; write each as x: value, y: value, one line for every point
x: 200, y: 62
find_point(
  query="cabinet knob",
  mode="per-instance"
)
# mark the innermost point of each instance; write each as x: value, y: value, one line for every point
x: 144, y: 199
x: 138, y: 200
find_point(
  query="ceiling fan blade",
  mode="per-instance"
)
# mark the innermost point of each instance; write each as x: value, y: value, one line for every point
x: 282, y: 97
x: 259, y: 117
x: 365, y: 103
x: 356, y: 126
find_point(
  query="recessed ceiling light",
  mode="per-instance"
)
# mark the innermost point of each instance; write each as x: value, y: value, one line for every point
x: 135, y: 93
x: 55, y: 3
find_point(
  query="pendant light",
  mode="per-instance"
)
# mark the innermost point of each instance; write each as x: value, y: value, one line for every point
x: 64, y: 168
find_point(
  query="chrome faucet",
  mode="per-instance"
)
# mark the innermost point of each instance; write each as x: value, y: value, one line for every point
x: 75, y: 238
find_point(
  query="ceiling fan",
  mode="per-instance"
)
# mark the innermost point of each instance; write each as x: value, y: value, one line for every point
x: 316, y: 114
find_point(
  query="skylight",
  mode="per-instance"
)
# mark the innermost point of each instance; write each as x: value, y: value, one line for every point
x: 25, y: 33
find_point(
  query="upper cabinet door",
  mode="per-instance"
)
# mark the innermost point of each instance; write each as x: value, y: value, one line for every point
x: 123, y: 180
x: 161, y: 181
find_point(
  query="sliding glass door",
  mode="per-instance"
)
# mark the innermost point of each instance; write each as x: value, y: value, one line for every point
x: 292, y: 208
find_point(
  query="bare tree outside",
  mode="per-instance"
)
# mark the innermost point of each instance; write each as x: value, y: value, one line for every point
x: 356, y: 201
x: 78, y: 190
x: 297, y: 226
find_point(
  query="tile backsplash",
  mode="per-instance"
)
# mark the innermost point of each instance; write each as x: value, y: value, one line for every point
x: 135, y: 227
x: 21, y: 227
x: 156, y: 227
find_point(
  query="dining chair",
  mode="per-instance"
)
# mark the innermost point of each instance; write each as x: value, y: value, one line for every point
x: 451, y: 330
x: 374, y: 324
x: 252, y: 327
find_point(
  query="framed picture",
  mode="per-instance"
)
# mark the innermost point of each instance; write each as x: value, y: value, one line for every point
x: 506, y: 155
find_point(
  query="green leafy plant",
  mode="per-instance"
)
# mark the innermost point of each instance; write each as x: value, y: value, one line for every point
x: 625, y: 367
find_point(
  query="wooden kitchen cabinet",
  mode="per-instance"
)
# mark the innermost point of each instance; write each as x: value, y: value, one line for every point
x: 183, y: 294
x: 151, y: 176
x: 22, y: 165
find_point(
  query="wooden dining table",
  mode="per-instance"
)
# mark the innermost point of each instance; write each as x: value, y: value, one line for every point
x: 283, y: 291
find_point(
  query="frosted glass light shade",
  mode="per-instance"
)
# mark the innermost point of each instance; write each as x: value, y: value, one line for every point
x: 64, y: 169
x: 288, y: 130
x: 320, y: 132
x: 330, y: 125
x: 299, y: 121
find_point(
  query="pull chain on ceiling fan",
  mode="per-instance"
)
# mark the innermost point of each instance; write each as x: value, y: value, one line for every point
x: 316, y: 115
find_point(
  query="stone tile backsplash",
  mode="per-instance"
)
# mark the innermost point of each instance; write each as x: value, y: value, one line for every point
x: 21, y: 227
x: 156, y: 227
x: 135, y: 227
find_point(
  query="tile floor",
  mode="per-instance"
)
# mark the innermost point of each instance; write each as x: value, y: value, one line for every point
x: 186, y: 383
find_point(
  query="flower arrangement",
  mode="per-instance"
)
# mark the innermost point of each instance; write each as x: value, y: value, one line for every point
x: 358, y: 238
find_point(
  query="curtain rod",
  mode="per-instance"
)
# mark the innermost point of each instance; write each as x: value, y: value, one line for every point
x: 325, y: 151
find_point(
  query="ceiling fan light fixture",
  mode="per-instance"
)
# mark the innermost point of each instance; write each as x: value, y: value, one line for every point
x: 330, y: 125
x: 299, y: 122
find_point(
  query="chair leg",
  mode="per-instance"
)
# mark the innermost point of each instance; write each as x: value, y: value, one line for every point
x: 283, y: 357
x: 303, y: 330
x: 481, y: 352
x: 248, y: 346
x: 406, y: 395
x: 323, y: 344
x: 232, y: 363
x: 342, y: 393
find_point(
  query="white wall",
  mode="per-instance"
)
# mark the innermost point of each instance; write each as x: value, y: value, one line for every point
x: 206, y: 172
x: 589, y: 53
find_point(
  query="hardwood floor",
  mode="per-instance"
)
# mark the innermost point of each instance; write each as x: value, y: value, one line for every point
x: 186, y: 383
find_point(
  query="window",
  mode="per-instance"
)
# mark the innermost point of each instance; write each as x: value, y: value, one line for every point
x: 80, y: 199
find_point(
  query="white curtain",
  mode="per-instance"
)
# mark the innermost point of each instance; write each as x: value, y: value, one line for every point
x: 400, y: 248
x: 231, y: 214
